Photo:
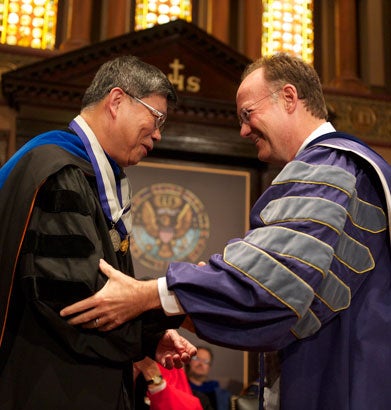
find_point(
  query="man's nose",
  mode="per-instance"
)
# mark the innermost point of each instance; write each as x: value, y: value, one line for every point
x: 156, y: 135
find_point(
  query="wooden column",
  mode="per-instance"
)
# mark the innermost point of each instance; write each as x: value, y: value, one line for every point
x: 220, y: 20
x: 347, y: 78
x: 252, y: 28
x: 118, y: 19
x: 78, y: 25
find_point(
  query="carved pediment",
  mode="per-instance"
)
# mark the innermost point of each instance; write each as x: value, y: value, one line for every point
x: 204, y: 70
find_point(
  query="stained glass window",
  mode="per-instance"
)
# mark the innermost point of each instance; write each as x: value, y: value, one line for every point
x: 150, y: 13
x: 28, y: 23
x: 287, y: 25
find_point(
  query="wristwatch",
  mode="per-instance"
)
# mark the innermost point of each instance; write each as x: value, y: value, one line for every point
x: 156, y: 380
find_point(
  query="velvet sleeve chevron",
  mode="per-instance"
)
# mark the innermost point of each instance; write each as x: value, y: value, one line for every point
x: 315, y: 235
x: 58, y: 265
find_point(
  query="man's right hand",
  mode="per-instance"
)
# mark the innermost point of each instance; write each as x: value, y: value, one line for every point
x: 121, y: 299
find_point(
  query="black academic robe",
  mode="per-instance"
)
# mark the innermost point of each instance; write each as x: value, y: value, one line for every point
x: 52, y: 236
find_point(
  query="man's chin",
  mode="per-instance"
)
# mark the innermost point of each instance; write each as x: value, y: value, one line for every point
x: 262, y: 156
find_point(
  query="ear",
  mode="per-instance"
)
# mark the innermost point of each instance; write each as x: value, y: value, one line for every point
x: 114, y: 100
x: 289, y: 94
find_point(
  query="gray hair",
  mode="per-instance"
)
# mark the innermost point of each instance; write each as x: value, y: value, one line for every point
x: 133, y: 76
x: 282, y: 68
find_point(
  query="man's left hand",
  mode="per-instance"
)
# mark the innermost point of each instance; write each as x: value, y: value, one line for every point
x: 174, y: 350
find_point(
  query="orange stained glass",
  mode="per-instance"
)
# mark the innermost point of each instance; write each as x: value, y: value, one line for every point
x: 287, y: 25
x: 28, y: 23
x: 150, y: 13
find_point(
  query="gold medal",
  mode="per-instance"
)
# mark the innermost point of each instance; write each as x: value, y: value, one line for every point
x: 124, y: 244
x: 115, y: 239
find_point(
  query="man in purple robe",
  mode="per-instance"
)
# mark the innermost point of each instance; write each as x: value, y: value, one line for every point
x: 311, y: 279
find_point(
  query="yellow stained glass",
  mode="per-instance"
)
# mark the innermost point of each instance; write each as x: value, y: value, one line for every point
x: 152, y: 12
x: 287, y: 25
x: 28, y: 23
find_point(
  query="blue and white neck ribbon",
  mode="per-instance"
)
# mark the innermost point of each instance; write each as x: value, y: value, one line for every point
x: 115, y: 196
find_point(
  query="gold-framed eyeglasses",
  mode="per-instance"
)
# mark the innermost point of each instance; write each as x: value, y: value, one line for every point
x: 245, y: 113
x: 160, y: 118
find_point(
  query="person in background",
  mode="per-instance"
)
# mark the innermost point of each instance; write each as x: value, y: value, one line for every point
x: 165, y: 389
x: 311, y: 278
x: 64, y: 205
x: 198, y: 370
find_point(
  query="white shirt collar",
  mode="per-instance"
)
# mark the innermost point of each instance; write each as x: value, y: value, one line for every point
x: 324, y: 128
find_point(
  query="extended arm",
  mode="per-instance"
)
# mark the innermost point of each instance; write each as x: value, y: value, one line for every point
x: 121, y: 299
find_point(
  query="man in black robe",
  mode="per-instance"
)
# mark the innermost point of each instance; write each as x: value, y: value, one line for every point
x: 64, y: 205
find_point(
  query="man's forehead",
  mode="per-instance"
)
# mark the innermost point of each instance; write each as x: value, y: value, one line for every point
x: 202, y: 351
x: 252, y: 84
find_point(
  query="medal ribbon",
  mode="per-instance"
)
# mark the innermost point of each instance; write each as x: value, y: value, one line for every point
x: 114, y: 196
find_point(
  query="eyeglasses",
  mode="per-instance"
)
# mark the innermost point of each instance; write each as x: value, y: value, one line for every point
x: 198, y: 359
x: 160, y: 118
x: 245, y: 113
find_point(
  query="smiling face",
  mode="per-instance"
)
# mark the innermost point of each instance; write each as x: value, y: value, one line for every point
x: 261, y: 108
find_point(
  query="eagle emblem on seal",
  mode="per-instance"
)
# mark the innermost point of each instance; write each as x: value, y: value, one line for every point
x: 170, y: 223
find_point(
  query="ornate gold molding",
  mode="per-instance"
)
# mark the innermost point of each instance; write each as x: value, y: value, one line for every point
x: 368, y: 118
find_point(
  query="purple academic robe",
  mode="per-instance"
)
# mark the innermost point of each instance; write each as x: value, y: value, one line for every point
x: 310, y: 279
